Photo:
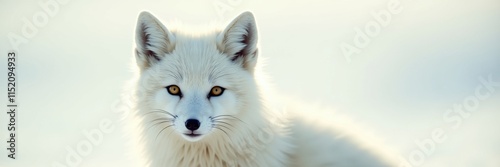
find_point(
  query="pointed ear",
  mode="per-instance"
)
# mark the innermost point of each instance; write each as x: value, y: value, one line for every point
x: 153, y: 40
x: 239, y: 41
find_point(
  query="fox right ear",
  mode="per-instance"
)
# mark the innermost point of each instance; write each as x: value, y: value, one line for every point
x: 153, y: 40
x: 239, y: 41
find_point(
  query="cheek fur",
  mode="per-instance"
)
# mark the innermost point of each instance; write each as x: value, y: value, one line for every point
x: 163, y: 100
x: 225, y: 104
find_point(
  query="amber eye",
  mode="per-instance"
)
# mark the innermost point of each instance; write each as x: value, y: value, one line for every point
x: 174, y: 90
x: 216, y: 91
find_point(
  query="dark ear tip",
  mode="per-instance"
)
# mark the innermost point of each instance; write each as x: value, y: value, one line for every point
x: 247, y: 15
x: 145, y: 15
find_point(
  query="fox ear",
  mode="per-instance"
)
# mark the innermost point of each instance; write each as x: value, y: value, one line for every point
x: 153, y: 40
x: 239, y: 41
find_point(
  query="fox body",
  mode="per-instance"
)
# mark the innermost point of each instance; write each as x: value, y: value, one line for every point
x: 199, y: 102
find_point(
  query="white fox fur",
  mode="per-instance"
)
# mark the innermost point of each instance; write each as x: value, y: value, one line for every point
x: 238, y: 127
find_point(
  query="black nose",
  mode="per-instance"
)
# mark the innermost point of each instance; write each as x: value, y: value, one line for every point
x: 192, y: 124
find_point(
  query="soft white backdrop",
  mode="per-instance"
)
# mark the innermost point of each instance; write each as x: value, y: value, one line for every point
x: 425, y: 61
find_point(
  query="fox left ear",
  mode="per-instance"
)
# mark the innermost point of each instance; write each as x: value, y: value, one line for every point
x: 239, y: 41
x: 153, y: 40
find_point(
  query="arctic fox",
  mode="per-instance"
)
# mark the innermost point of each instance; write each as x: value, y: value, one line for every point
x: 199, y: 102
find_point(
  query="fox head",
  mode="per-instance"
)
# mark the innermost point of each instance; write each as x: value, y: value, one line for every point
x: 195, y: 85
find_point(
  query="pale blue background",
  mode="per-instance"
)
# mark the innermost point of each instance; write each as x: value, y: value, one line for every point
x: 426, y: 60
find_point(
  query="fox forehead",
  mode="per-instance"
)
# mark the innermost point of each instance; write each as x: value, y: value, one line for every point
x: 196, y: 61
